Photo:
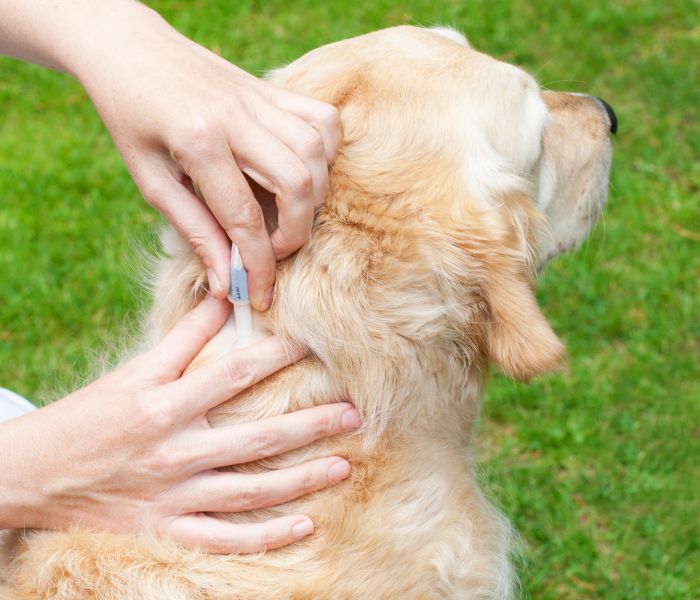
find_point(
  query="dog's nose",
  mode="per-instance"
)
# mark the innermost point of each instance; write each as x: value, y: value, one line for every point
x: 611, y: 114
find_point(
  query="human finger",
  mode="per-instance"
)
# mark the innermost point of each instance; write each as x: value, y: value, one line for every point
x: 222, y: 379
x: 229, y: 492
x: 275, y: 167
x: 320, y: 115
x: 295, y: 217
x: 248, y: 442
x: 305, y: 141
x: 193, y: 221
x: 222, y: 537
x: 231, y: 201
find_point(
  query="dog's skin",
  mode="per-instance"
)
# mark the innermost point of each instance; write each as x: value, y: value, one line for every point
x: 457, y: 178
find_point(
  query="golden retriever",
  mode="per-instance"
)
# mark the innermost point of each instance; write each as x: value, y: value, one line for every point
x: 457, y: 178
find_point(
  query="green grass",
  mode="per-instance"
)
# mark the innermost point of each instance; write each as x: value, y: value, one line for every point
x: 597, y: 466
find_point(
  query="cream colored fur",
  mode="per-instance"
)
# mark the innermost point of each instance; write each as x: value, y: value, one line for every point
x: 419, y: 272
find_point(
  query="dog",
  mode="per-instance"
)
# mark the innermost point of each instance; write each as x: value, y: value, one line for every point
x: 457, y: 179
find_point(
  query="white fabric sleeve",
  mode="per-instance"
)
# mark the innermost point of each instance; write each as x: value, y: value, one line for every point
x: 13, y: 405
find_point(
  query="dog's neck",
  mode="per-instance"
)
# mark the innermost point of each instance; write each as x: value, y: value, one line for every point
x: 365, y: 297
x: 372, y: 297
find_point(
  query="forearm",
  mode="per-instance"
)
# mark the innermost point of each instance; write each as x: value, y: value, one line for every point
x: 20, y: 482
x: 65, y: 34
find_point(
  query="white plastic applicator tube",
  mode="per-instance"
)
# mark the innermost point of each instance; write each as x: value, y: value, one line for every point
x: 238, y: 295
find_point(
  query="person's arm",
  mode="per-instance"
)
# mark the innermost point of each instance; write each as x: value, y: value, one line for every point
x: 133, y: 451
x: 181, y: 114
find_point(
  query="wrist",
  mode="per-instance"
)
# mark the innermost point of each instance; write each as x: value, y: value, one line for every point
x: 115, y: 27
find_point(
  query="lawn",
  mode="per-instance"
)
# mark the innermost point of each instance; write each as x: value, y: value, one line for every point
x: 597, y: 466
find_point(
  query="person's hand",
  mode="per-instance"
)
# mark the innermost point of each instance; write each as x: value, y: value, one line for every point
x: 180, y: 114
x: 133, y: 451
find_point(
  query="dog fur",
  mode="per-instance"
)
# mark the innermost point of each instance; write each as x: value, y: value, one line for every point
x: 456, y: 179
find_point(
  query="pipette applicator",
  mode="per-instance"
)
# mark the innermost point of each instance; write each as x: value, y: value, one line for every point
x: 238, y: 295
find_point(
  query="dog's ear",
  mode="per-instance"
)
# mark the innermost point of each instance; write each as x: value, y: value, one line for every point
x: 518, y: 338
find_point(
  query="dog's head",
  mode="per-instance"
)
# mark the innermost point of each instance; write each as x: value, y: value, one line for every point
x: 457, y: 178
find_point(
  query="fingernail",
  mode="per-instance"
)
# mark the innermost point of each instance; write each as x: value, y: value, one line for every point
x: 302, y: 529
x: 350, y: 420
x: 338, y: 471
x: 214, y: 284
x: 267, y: 299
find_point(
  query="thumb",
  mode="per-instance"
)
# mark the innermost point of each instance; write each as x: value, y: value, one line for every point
x: 184, y: 342
x: 192, y: 219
